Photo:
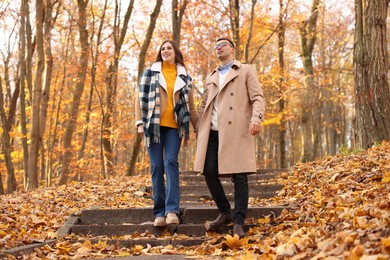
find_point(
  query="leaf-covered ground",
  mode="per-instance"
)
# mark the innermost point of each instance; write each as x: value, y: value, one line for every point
x: 340, y: 209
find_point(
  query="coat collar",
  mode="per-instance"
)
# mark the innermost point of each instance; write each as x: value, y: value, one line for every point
x: 157, y: 66
x: 181, y: 71
x: 214, y: 76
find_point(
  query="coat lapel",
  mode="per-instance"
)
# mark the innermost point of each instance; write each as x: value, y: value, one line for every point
x: 212, y: 87
x: 232, y: 73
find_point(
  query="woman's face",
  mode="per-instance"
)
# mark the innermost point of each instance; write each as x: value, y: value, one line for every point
x: 167, y: 53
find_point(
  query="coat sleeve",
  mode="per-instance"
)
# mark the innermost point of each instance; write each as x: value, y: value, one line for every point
x: 255, y: 95
x: 143, y: 88
x: 193, y: 112
x: 138, y: 118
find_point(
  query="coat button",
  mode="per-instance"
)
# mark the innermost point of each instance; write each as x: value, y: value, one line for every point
x: 230, y: 122
x: 231, y: 94
x: 231, y: 108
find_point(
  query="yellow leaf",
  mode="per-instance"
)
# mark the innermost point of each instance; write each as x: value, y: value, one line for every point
x: 2, y: 233
x: 88, y: 244
x: 101, y: 244
x: 386, y: 244
x: 386, y: 177
x: 235, y: 241
x: 137, y: 248
x: 264, y: 220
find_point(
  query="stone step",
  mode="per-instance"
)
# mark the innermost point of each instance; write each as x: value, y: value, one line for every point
x: 254, y: 190
x: 230, y: 197
x: 260, y: 175
x: 191, y: 230
x: 200, y: 215
x: 201, y: 190
x: 128, y: 243
x: 188, y: 215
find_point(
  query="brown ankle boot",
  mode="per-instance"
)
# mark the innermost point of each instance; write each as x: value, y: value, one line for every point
x: 238, y: 229
x: 222, y: 219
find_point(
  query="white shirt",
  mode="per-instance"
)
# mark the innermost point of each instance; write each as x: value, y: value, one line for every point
x: 214, y: 115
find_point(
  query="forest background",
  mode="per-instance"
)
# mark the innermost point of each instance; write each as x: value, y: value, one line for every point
x: 69, y: 72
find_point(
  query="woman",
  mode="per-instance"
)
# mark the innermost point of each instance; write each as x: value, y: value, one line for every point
x: 166, y: 108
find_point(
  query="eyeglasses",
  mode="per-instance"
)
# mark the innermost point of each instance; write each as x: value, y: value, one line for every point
x: 221, y: 44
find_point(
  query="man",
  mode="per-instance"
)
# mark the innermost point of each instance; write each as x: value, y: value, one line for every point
x: 231, y: 114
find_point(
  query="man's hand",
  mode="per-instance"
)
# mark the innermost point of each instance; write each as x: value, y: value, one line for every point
x: 254, y: 128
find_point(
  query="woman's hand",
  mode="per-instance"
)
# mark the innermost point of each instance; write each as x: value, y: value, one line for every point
x: 140, y: 129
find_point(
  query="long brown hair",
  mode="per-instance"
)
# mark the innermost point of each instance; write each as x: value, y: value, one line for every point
x: 178, y: 55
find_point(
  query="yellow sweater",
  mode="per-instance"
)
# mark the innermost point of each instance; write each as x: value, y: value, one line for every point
x: 168, y: 117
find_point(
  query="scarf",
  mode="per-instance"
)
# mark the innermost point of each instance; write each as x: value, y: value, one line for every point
x: 149, y: 96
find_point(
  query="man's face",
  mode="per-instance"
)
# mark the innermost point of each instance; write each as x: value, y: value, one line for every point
x: 223, y: 49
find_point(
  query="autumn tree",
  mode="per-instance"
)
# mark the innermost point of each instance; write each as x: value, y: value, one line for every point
x: 36, y: 101
x: 141, y: 64
x: 78, y: 91
x: 281, y: 83
x: 119, y: 35
x: 234, y: 11
x: 371, y: 69
x: 308, y: 39
x: 6, y: 147
x: 178, y: 10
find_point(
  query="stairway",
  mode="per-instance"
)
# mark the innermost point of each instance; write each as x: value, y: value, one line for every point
x: 134, y: 226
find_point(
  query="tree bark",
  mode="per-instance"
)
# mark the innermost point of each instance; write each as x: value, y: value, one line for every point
x: 79, y: 89
x: 234, y: 10
x: 282, y: 88
x: 141, y: 64
x: 178, y: 10
x: 25, y: 76
x: 36, y: 101
x: 372, y: 91
x: 6, y: 147
x: 308, y: 38
x: 111, y: 87
x: 48, y: 26
x: 250, y: 31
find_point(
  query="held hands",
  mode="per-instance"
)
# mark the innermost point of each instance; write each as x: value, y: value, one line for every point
x: 140, y: 129
x: 254, y: 128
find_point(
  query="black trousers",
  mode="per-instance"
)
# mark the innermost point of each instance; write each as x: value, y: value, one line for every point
x: 213, y: 181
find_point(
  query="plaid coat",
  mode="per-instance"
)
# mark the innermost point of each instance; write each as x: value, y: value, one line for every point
x: 152, y: 85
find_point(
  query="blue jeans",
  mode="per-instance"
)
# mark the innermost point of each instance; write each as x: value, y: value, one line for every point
x: 164, y: 158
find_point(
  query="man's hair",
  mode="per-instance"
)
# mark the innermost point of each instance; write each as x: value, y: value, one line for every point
x: 227, y: 39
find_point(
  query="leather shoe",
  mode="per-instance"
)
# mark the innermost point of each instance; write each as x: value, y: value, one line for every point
x: 237, y: 229
x: 222, y: 219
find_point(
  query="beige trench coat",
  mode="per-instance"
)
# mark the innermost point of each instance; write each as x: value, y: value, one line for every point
x: 240, y: 101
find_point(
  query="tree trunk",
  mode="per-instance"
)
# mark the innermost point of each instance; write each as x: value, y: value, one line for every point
x: 282, y: 88
x: 250, y: 31
x: 25, y: 75
x: 308, y: 37
x: 6, y: 147
x: 234, y: 10
x: 111, y: 87
x: 79, y: 89
x: 78, y: 176
x: 178, y: 10
x: 370, y: 71
x: 36, y: 101
x: 48, y: 26
x: 142, y: 56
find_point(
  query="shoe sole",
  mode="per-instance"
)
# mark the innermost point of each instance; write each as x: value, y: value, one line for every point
x: 173, y: 222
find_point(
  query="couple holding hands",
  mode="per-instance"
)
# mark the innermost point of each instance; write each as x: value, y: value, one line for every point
x: 230, y: 116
